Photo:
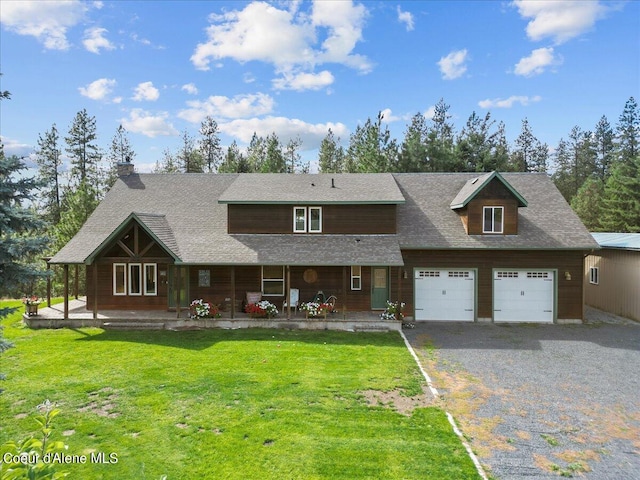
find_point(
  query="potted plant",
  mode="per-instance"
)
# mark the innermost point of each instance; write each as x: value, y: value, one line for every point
x: 261, y: 309
x: 200, y: 309
x: 31, y: 305
x: 315, y: 309
x: 393, y: 311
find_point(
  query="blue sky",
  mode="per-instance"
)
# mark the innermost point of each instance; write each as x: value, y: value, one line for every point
x: 299, y: 68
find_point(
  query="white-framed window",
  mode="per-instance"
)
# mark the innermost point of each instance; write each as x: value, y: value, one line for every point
x: 315, y: 219
x: 119, y: 278
x: 135, y: 279
x: 150, y: 279
x: 273, y: 280
x: 492, y: 219
x: 594, y: 275
x: 300, y: 219
x: 356, y: 277
x: 307, y: 219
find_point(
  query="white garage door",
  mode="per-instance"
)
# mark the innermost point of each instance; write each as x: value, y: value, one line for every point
x: 447, y: 295
x: 523, y: 296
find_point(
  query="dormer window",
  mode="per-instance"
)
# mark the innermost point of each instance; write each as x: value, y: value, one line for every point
x: 307, y: 219
x: 493, y: 220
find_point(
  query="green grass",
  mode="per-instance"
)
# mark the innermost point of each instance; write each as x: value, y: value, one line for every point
x: 246, y: 404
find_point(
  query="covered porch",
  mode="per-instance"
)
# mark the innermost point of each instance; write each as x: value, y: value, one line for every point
x: 77, y: 315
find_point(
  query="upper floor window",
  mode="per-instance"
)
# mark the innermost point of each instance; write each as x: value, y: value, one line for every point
x: 307, y: 219
x: 492, y: 221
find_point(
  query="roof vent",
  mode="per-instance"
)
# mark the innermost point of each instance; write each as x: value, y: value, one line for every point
x: 474, y: 180
x: 333, y: 183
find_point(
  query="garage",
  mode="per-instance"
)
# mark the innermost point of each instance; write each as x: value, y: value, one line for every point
x: 523, y: 296
x: 445, y: 294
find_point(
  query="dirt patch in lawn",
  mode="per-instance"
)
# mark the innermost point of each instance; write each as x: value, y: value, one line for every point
x: 398, y: 400
x: 102, y: 402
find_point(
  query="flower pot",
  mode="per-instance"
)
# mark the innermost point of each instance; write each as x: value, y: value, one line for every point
x: 31, y: 310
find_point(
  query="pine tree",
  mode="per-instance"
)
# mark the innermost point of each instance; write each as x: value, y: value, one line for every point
x: 83, y: 152
x: 293, y: 158
x: 628, y: 131
x: 256, y: 153
x: 209, y: 144
x: 168, y: 164
x: 234, y: 161
x: 120, y: 151
x: 413, y: 150
x: 440, y: 144
x: 622, y: 197
x: 603, y: 143
x: 371, y: 149
x: 188, y: 157
x: 331, y: 154
x: 587, y: 203
x: 49, y: 162
x: 274, y: 161
x: 499, y: 160
x: 475, y: 143
x: 19, y: 233
x: 529, y: 155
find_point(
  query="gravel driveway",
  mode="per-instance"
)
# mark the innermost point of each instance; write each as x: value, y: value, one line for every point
x: 541, y: 401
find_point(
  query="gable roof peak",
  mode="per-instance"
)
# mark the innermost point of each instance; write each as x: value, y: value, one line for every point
x: 476, y: 184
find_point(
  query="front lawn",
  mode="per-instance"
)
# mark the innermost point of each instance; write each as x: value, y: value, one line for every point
x: 246, y: 404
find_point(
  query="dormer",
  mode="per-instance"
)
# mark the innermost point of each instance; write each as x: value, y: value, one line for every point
x: 488, y: 205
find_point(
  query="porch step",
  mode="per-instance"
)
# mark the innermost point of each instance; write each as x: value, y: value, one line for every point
x: 371, y: 328
x: 133, y: 325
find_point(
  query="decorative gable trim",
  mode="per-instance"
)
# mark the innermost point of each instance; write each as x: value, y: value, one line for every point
x: 474, y: 186
x: 148, y: 227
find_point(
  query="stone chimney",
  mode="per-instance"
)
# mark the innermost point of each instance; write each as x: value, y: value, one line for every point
x: 125, y: 168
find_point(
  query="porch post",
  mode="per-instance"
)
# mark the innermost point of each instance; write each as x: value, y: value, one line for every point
x: 177, y: 283
x: 344, y: 289
x: 233, y: 291
x: 46, y: 259
x: 399, y: 292
x: 287, y: 294
x: 66, y: 290
x: 95, y: 290
x: 77, y: 282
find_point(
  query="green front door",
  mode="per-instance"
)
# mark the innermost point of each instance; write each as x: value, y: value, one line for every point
x: 379, y: 287
x: 183, y: 287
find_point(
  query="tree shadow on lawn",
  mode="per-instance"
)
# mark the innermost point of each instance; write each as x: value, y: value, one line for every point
x: 203, y: 339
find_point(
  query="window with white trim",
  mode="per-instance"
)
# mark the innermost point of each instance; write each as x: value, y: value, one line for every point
x: 135, y: 279
x: 272, y: 280
x: 492, y: 219
x: 300, y: 219
x: 119, y: 278
x: 356, y: 277
x: 150, y: 279
x: 307, y: 219
x: 594, y: 275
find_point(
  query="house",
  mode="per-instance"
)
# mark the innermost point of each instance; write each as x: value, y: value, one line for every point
x: 612, y: 274
x: 502, y: 247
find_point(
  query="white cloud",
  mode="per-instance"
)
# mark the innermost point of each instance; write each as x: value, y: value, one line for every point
x: 285, y: 128
x: 561, y: 20
x: 509, y: 102
x: 406, y: 18
x: 452, y: 66
x: 94, y: 40
x: 536, y: 63
x: 14, y: 147
x: 98, y: 89
x: 146, y: 91
x: 389, y: 117
x: 46, y: 21
x: 190, y: 88
x: 303, y: 81
x: 431, y: 111
x: 240, y: 106
x: 286, y: 38
x: 147, y: 124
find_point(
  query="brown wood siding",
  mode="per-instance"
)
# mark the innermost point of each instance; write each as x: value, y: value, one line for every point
x: 618, y: 288
x: 336, y: 219
x: 108, y: 301
x: 475, y: 215
x: 569, y: 292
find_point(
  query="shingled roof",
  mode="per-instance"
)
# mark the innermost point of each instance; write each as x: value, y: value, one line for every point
x: 187, y: 214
